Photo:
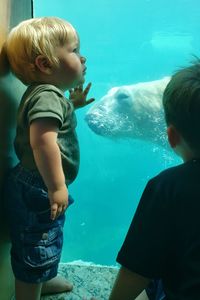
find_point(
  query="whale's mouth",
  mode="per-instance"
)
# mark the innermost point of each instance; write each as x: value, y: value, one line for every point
x: 110, y: 125
x: 98, y: 127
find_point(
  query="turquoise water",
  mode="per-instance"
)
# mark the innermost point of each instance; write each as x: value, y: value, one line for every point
x: 125, y: 42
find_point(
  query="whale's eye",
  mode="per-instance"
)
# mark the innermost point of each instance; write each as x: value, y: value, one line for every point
x: 123, y: 99
x: 122, y: 95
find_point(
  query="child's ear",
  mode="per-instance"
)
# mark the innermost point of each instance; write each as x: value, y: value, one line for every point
x: 43, y: 64
x: 174, y: 137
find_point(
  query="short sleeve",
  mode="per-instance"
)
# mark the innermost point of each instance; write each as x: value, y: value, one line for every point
x: 148, y: 242
x: 45, y: 104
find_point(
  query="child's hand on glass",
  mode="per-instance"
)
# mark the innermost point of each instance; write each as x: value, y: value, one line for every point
x: 58, y: 201
x: 78, y: 96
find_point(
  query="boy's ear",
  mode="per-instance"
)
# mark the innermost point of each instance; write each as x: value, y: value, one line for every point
x: 174, y: 137
x: 43, y: 64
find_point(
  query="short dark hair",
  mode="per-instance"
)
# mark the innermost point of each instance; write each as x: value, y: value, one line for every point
x: 181, y: 102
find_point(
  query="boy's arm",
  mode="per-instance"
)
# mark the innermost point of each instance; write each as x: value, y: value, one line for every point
x: 43, y: 140
x: 128, y: 285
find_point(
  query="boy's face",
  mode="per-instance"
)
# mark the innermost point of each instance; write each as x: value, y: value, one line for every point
x: 71, y: 70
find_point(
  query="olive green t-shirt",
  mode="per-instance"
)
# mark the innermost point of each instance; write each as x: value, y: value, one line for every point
x: 42, y: 101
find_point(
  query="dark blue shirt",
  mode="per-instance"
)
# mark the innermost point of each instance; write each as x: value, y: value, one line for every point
x: 163, y: 240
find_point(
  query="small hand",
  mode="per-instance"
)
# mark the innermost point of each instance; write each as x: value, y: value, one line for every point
x: 58, y: 201
x: 78, y: 96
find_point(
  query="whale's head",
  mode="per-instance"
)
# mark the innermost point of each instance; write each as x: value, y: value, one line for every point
x: 130, y: 111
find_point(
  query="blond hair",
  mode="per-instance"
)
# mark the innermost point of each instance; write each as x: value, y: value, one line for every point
x: 33, y: 37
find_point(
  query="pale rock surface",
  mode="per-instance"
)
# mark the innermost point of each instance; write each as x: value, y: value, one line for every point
x: 89, y: 280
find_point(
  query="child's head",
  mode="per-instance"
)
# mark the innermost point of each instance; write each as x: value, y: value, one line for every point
x: 39, y: 37
x: 181, y: 101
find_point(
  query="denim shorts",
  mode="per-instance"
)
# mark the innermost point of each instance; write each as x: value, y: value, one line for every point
x: 36, y: 239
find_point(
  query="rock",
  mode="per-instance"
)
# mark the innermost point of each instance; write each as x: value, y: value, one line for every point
x: 89, y: 280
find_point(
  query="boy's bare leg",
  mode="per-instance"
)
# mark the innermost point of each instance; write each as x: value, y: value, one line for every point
x: 57, y: 284
x: 24, y: 291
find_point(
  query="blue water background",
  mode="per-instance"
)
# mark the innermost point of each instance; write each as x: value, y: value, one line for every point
x: 125, y: 42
